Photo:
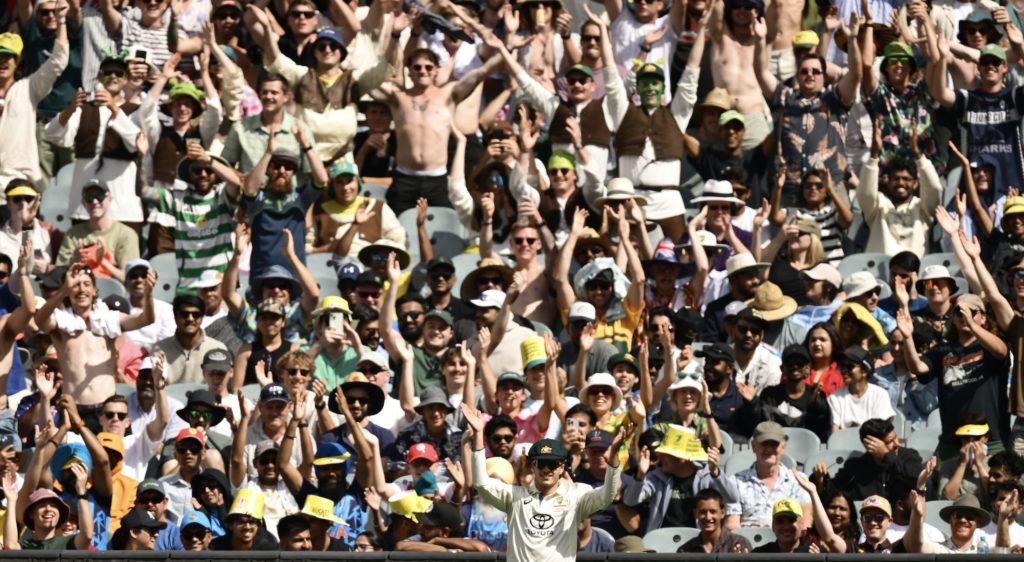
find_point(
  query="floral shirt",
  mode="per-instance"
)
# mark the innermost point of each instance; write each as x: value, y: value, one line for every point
x: 812, y: 133
x: 755, y: 499
x: 896, y: 110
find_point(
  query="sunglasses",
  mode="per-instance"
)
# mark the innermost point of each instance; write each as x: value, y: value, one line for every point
x: 814, y: 185
x: 413, y: 315
x: 548, y: 464
x: 194, y: 535
x: 369, y: 294
x: 43, y: 13
x: 811, y: 72
x: 444, y: 275
x: 25, y: 199
x: 503, y: 437
x: 141, y: 274
x: 279, y: 285
x: 747, y: 328
x: 121, y: 416
x: 975, y: 30
x: 227, y: 14
x: 188, y: 314
x: 357, y: 399
x: 286, y: 166
x: 990, y: 61
x: 247, y: 521
x: 93, y: 197
x: 202, y: 170
x: 302, y: 14
x: 488, y: 281
x: 293, y: 371
x: 519, y: 241
x: 325, y: 46
x: 963, y: 514
x: 1018, y: 274
x: 933, y: 283
x: 602, y: 390
x: 202, y: 414
x: 149, y: 500
x: 188, y: 449
x: 598, y: 286
x: 371, y: 370
x: 423, y: 67
x: 573, y: 80
x: 873, y: 518
x: 378, y: 258
x: 268, y: 317
x: 560, y: 171
x: 589, y: 38
x: 117, y: 72
x: 266, y: 459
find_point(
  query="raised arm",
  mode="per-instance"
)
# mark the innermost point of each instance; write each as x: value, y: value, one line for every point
x: 935, y: 73
x: 147, y: 315
x: 564, y: 294
x: 847, y: 86
x: 310, y: 289
x: 634, y: 269
x: 289, y: 472
x: 765, y: 78
x: 102, y: 479
x: 1001, y: 307
x: 391, y: 339
x: 822, y: 524
x: 155, y: 429
x: 906, y: 325
x: 229, y: 285
x: 111, y: 17
x: 981, y: 214
x: 85, y: 523
x: 240, y: 429
x: 469, y: 82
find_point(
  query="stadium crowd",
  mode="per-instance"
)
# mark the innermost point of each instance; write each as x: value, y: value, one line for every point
x: 540, y: 276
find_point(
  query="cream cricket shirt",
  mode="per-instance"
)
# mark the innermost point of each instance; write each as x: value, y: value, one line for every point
x: 543, y: 530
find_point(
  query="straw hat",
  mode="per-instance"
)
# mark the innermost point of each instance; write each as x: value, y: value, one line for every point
x: 620, y: 189
x: 769, y: 304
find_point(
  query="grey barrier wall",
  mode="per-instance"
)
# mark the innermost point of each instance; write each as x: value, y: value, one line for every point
x: 116, y: 556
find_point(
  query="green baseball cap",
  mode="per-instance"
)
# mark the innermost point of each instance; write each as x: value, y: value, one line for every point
x: 992, y: 50
x: 582, y: 69
x: 624, y: 359
x: 547, y: 449
x: 441, y: 315
x: 342, y: 167
x: 652, y: 70
x: 732, y: 115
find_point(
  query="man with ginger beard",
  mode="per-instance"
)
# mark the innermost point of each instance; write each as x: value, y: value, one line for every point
x: 273, y: 204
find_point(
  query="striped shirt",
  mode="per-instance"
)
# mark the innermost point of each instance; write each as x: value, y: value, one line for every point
x: 831, y: 234
x: 203, y: 227
x: 152, y: 39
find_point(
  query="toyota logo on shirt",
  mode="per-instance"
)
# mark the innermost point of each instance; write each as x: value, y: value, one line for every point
x: 542, y: 521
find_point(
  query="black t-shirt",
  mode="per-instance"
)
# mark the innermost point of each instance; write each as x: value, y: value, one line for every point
x: 773, y: 547
x: 375, y: 166
x: 789, y: 280
x: 992, y: 124
x: 809, y: 411
x: 712, y: 162
x: 680, y: 506
x: 972, y: 380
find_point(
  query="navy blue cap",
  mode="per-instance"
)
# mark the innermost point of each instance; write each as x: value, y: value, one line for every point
x: 333, y: 35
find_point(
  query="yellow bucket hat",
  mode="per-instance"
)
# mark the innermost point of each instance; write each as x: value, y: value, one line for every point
x: 408, y: 504
x: 321, y: 508
x: 248, y: 502
x: 682, y: 443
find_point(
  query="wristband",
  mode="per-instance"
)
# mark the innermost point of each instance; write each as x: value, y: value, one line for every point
x: 645, y: 49
x: 82, y: 496
x: 541, y: 223
x: 565, y: 37
x: 287, y: 436
x: 80, y: 424
x: 396, y: 35
x: 303, y: 425
x: 306, y: 148
x: 320, y: 406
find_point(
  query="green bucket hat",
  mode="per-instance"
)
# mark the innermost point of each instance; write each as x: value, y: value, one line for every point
x: 190, y: 91
x: 898, y: 50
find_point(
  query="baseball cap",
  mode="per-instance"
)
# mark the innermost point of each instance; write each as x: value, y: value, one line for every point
x: 12, y: 44
x: 795, y: 353
x: 860, y: 356
x: 139, y: 518
x: 599, y: 439
x: 716, y: 352
x: 992, y: 50
x: 217, y: 360
x: 769, y: 431
x: 95, y: 184
x: 734, y: 308
x: 511, y: 376
x: 876, y: 502
x: 732, y: 115
x: 191, y: 433
x: 582, y: 69
x: 196, y: 518
x: 826, y: 272
x: 440, y: 262
x: 274, y: 392
x: 442, y: 315
x: 491, y: 298
x: 370, y: 278
x: 271, y: 306
x: 421, y: 451
x: 331, y: 34
x: 151, y: 485
x: 582, y: 310
x: 265, y: 446
x: 344, y: 167
x: 330, y: 453
x: 788, y: 507
x: 426, y: 484
x: 441, y: 514
x: 547, y: 449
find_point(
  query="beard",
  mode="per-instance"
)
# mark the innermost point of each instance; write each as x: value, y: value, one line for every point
x: 279, y: 187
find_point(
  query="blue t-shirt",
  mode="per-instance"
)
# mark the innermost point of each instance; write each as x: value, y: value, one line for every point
x: 169, y: 538
x: 991, y: 124
x: 270, y: 216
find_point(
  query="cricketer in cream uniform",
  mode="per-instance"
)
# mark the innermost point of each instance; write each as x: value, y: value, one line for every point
x: 542, y: 519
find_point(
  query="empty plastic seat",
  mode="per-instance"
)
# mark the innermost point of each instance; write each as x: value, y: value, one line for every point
x: 667, y: 540
x: 934, y: 419
x: 757, y: 536
x: 833, y: 459
x: 925, y: 439
x: 166, y: 265
x: 374, y: 190
x: 848, y: 438
x: 876, y: 263
x: 931, y: 515
x: 107, y: 286
x: 447, y: 235
x: 739, y: 461
x: 181, y: 390
x: 802, y: 444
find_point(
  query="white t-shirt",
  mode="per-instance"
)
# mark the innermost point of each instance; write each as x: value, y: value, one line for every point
x: 1016, y: 534
x: 896, y: 532
x: 850, y: 411
x: 627, y: 36
x: 163, y: 327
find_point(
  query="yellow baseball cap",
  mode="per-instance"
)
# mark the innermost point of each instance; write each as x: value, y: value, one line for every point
x: 805, y: 39
x: 787, y: 506
x: 331, y: 303
x: 972, y: 430
x: 1013, y: 205
x: 408, y: 504
x: 12, y: 44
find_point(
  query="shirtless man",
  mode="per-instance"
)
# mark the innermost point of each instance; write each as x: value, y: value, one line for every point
x: 84, y: 333
x: 536, y: 291
x: 786, y: 17
x: 732, y: 57
x: 423, y: 123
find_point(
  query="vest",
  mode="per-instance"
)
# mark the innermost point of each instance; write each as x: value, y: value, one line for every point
x: 89, y: 131
x: 553, y: 215
x: 312, y: 94
x: 593, y: 127
x: 660, y: 127
x: 170, y: 149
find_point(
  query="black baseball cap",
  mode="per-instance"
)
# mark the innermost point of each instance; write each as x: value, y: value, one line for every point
x: 796, y: 354
x: 370, y: 278
x: 141, y: 519
x: 547, y: 449
x: 858, y: 355
x: 599, y: 439
x: 716, y: 352
x: 441, y: 514
x: 217, y: 360
x: 440, y: 262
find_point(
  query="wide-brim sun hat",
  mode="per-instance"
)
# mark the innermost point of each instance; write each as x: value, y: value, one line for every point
x: 770, y: 304
x: 620, y: 189
x: 718, y: 190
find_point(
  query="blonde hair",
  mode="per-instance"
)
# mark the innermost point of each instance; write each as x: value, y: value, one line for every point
x: 815, y: 253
